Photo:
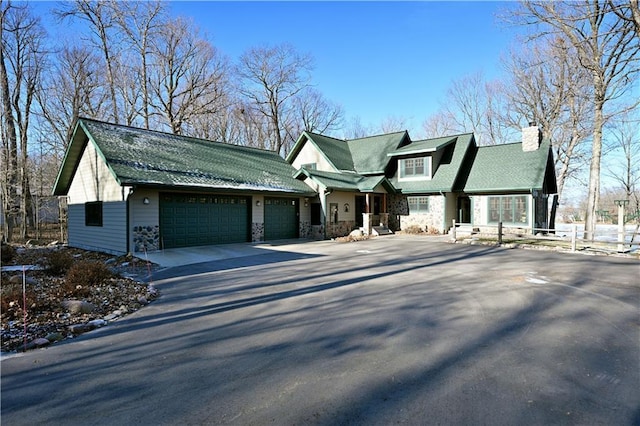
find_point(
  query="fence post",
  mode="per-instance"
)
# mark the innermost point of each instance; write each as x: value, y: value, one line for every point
x: 453, y: 230
x: 574, y: 234
x: 499, y: 232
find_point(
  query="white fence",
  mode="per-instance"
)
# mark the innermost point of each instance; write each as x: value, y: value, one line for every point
x: 606, y: 237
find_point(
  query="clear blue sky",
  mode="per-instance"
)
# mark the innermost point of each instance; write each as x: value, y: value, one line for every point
x: 376, y: 59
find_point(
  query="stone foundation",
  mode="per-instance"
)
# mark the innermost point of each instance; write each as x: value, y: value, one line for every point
x: 146, y: 238
x: 341, y: 228
x: 317, y: 232
x: 257, y: 232
x: 305, y: 230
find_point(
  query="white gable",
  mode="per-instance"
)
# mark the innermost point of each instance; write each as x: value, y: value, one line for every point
x: 309, y: 154
x: 93, y: 181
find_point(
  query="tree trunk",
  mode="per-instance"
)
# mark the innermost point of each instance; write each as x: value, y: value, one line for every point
x: 11, y: 143
x: 594, y: 170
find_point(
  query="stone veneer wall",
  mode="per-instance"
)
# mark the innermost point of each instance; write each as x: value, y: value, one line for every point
x: 340, y: 229
x: 317, y: 232
x: 305, y: 229
x: 399, y: 217
x: 397, y: 206
x: 257, y: 232
x: 146, y: 238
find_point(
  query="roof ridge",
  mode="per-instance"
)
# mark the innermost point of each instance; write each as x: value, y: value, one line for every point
x: 379, y: 134
x: 326, y: 136
x: 160, y: 132
x: 443, y: 137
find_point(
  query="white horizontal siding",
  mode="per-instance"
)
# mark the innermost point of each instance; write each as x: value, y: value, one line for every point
x: 93, y: 180
x: 309, y: 154
x: 111, y: 237
x: 144, y: 214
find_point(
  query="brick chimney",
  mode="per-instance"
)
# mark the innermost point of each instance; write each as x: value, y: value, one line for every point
x: 531, y: 137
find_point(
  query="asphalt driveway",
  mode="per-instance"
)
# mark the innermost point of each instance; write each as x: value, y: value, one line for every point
x: 391, y: 330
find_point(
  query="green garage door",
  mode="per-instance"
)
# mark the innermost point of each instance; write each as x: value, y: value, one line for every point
x: 280, y: 218
x: 197, y: 220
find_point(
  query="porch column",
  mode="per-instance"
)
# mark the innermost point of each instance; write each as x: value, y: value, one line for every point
x: 367, y: 223
x: 368, y: 203
x: 384, y: 214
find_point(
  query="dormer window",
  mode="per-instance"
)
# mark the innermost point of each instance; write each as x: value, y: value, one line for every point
x: 415, y: 168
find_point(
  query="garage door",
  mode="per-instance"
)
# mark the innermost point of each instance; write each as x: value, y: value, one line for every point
x: 196, y: 220
x: 280, y: 218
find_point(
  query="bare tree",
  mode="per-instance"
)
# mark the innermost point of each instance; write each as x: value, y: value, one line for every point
x: 547, y: 85
x: 22, y: 37
x: 625, y: 143
x: 189, y: 77
x: 314, y: 113
x: 73, y: 87
x: 628, y: 11
x: 439, y: 124
x: 608, y: 48
x: 476, y: 106
x: 271, y: 78
x: 100, y: 16
x: 392, y: 123
x: 10, y: 199
x: 354, y: 129
x: 142, y: 23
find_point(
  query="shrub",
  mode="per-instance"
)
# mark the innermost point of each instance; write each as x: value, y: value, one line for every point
x: 413, y: 229
x: 8, y: 253
x: 59, y: 262
x: 11, y: 299
x: 85, y: 274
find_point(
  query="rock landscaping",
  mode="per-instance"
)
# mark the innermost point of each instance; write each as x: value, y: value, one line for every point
x: 68, y: 292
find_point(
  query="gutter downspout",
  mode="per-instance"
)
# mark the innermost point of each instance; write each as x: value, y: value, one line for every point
x: 128, y: 220
x: 323, y: 203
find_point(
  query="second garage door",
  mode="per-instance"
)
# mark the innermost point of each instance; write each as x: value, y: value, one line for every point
x: 280, y: 218
x: 196, y: 220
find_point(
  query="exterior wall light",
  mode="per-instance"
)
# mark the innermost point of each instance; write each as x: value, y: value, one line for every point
x: 258, y: 203
x: 346, y: 207
x: 145, y: 200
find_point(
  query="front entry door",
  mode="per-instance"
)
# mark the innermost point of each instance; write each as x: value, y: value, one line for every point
x: 361, y: 205
x: 464, y: 210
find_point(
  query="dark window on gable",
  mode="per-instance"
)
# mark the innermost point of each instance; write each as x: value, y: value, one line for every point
x: 93, y: 213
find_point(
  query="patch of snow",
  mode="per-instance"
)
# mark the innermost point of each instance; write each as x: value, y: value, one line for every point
x: 14, y: 268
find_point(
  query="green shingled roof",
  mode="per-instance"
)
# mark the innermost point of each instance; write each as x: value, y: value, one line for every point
x: 144, y: 157
x: 501, y: 168
x: 370, y: 154
x: 335, y: 150
x: 363, y: 155
x: 454, y: 151
x: 343, y: 181
x: 423, y: 146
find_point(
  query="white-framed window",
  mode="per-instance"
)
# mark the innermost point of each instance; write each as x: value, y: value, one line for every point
x: 310, y: 166
x: 508, y: 209
x: 418, y: 204
x: 415, y: 168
